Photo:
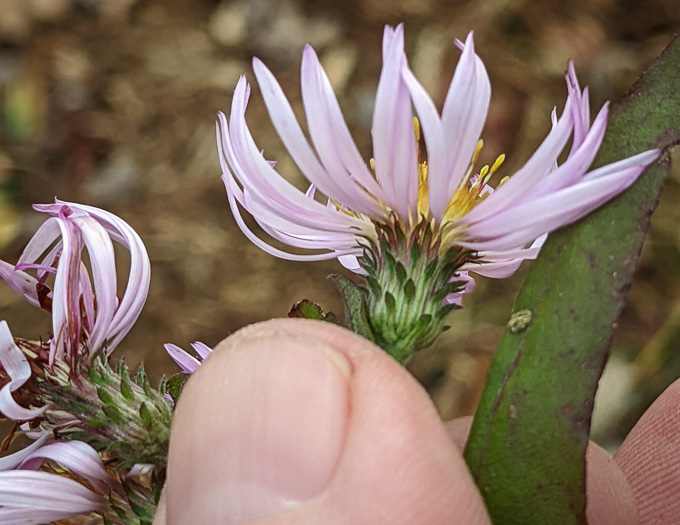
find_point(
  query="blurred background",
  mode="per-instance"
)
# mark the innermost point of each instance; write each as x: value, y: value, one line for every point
x: 112, y: 103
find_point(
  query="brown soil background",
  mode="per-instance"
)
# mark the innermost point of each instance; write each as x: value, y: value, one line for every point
x: 112, y: 103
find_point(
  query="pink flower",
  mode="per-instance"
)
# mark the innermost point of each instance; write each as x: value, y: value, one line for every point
x: 397, y: 189
x: 87, y: 315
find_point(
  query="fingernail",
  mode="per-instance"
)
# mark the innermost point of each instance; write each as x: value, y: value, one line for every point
x: 258, y: 430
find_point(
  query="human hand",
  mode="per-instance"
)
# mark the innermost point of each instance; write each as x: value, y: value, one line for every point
x: 301, y: 422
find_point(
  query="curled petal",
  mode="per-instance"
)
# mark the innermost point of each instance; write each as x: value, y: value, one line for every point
x: 35, y: 497
x: 17, y: 368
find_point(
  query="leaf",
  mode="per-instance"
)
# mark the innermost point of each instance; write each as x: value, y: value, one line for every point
x: 306, y: 309
x: 527, y: 443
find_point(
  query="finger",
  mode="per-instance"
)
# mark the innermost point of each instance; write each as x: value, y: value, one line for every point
x: 609, y: 498
x: 301, y: 422
x: 650, y: 459
x: 160, y: 517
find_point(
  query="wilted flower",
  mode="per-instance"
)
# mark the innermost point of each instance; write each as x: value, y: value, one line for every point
x: 88, y: 318
x: 392, y: 217
x: 63, y: 391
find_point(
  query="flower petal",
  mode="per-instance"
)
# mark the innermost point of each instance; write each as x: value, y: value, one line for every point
x: 18, y: 370
x: 34, y: 497
x: 437, y: 153
x: 538, y: 166
x: 333, y: 142
x: 394, y: 146
x: 464, y: 112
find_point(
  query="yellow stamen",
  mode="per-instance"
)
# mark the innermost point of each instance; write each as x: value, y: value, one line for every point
x: 475, y: 155
x: 473, y: 161
x: 423, y: 198
x: 481, y: 180
x: 371, y: 163
x: 416, y: 128
x: 497, y: 164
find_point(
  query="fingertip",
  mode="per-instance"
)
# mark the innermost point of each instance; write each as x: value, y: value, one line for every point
x: 258, y: 429
x: 650, y: 460
x: 609, y: 497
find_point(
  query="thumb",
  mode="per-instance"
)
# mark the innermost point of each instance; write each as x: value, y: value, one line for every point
x: 302, y: 422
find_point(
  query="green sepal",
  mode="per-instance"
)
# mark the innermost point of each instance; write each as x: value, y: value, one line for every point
x: 114, y: 414
x: 175, y: 384
x: 354, y: 300
x: 409, y: 290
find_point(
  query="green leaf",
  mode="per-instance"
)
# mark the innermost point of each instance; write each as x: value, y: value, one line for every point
x: 306, y: 309
x: 527, y: 443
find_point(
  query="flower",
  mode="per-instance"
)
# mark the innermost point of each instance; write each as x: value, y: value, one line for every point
x: 87, y: 315
x: 69, y: 400
x: 446, y: 190
x: 443, y: 206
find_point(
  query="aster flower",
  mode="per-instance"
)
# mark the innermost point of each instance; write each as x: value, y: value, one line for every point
x: 96, y: 326
x: 87, y: 316
x: 412, y: 220
x: 64, y: 394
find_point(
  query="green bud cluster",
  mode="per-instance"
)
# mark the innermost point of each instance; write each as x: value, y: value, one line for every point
x: 120, y: 416
x: 135, y: 503
x: 401, y: 308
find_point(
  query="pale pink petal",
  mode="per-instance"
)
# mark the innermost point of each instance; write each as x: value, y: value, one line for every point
x: 331, y: 145
x: 350, y: 156
x: 540, y: 164
x: 464, y: 112
x: 283, y: 118
x: 21, y: 282
x: 35, y: 497
x: 457, y: 297
x: 394, y: 146
x: 11, y: 461
x: 76, y: 456
x: 140, y: 469
x: 187, y: 363
x: 437, y: 156
x: 18, y: 370
x: 201, y: 349
x: 103, y: 264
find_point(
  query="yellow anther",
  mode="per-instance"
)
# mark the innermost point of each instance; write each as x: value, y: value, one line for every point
x: 416, y: 128
x: 497, y: 164
x: 423, y: 197
x: 371, y: 162
x: 473, y: 161
x: 503, y: 181
x: 478, y: 148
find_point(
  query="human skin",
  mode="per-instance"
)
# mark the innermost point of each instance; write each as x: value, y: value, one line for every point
x: 301, y: 422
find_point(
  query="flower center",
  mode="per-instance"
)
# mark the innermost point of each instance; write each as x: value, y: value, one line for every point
x: 472, y: 189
